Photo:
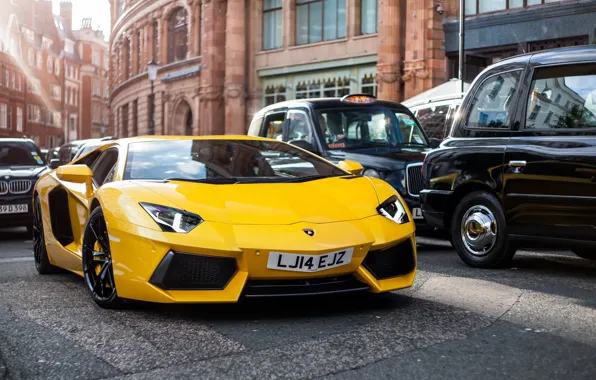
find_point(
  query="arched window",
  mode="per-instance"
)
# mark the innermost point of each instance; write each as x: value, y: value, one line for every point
x: 177, y: 35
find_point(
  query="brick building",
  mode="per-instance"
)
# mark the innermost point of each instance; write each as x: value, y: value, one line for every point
x: 93, y: 51
x: 40, y: 58
x: 221, y: 61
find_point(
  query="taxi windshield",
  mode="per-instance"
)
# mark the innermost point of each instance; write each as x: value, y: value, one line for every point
x: 370, y: 127
x: 224, y: 162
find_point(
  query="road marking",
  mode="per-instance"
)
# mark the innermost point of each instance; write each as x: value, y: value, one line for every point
x: 15, y: 259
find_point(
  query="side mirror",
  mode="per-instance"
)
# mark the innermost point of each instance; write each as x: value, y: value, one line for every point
x: 76, y: 174
x: 435, y: 143
x: 54, y: 163
x: 351, y: 166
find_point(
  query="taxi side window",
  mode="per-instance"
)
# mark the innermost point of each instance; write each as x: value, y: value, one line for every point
x: 493, y: 101
x: 299, y: 127
x: 272, y: 128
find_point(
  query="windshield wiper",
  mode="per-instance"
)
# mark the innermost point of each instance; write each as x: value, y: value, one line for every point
x: 216, y: 180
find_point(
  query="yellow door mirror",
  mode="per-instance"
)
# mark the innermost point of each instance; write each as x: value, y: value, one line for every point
x: 76, y: 174
x: 351, y: 166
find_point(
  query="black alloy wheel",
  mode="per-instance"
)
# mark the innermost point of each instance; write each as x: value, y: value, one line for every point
x: 97, y: 262
x: 40, y: 254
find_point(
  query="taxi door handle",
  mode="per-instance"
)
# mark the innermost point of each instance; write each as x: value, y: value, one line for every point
x: 517, y: 164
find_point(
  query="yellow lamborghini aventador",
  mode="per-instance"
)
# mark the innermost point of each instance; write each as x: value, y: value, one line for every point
x: 211, y: 219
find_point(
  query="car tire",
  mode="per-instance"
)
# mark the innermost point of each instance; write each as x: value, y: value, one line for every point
x: 479, y: 232
x: 588, y: 254
x: 97, y: 262
x: 40, y: 253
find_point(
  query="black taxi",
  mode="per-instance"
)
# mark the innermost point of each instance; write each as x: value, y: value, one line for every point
x: 384, y: 137
x: 519, y: 167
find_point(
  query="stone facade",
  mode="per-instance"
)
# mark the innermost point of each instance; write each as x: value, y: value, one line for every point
x: 242, y: 55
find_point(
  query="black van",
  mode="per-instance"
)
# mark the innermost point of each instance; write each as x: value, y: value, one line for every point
x: 384, y: 137
x: 519, y: 168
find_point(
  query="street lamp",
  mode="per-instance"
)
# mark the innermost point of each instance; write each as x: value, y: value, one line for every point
x: 152, y: 71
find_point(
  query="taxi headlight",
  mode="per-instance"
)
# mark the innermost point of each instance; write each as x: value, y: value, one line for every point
x: 393, y: 210
x: 371, y: 173
x: 170, y: 219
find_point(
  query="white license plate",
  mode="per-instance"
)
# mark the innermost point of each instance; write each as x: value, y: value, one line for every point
x: 13, y: 209
x: 309, y: 263
x: 417, y: 213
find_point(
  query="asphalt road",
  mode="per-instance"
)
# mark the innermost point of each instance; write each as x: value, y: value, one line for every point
x: 533, y: 321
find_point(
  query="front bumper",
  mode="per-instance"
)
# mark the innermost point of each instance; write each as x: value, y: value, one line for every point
x: 434, y: 205
x: 217, y: 262
x: 16, y: 220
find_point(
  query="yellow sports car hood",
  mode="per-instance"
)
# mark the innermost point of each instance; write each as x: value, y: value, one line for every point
x: 320, y: 201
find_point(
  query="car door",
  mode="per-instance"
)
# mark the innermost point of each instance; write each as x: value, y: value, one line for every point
x: 550, y: 175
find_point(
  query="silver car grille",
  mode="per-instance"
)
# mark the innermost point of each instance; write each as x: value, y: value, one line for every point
x: 414, y: 179
x: 19, y: 186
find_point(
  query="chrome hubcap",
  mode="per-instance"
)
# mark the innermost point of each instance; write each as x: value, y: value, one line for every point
x: 479, y: 230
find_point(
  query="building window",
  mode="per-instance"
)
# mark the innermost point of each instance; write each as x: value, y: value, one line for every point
x: 95, y: 113
x: 120, y: 7
x: 473, y: 7
x: 49, y: 65
x: 368, y: 85
x: 56, y: 92
x: 274, y: 94
x: 34, y: 86
x: 6, y: 77
x: 33, y: 113
x: 126, y: 58
x: 57, y: 68
x: 95, y: 59
x: 39, y: 60
x: 96, y: 87
x: 138, y: 52
x: 13, y: 83
x: 135, y: 118
x: 336, y: 87
x: 19, y: 119
x: 368, y: 16
x: 31, y: 57
x: 3, y: 116
x: 69, y: 46
x: 272, y: 24
x: 154, y: 41
x: 318, y: 20
x: 19, y: 83
x: 177, y: 36
x: 125, y: 120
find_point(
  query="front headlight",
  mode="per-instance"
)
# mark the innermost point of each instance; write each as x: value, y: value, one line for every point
x: 171, y: 219
x: 392, y: 209
x: 371, y: 173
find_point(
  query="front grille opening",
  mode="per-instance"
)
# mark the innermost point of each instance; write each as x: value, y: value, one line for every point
x: 394, y: 261
x: 303, y: 287
x: 414, y: 179
x: 183, y: 271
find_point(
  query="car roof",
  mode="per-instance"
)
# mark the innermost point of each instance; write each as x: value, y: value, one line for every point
x: 552, y: 56
x: 17, y: 140
x: 319, y: 103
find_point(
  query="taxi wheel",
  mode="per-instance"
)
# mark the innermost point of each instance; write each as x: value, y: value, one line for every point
x: 97, y: 262
x: 479, y: 232
x: 588, y: 254
x: 40, y: 253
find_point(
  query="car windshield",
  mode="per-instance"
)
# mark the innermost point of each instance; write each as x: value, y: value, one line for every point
x: 224, y: 161
x: 20, y: 154
x: 360, y: 127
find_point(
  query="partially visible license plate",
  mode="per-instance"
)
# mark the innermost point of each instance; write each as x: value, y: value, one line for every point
x: 417, y: 213
x: 14, y: 209
x: 309, y: 263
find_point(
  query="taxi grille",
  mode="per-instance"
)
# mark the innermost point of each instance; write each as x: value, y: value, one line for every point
x: 394, y: 261
x: 20, y: 186
x: 414, y: 179
x: 193, y: 272
x: 3, y: 188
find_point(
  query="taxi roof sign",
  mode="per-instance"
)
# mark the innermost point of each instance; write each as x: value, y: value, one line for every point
x: 359, y: 99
